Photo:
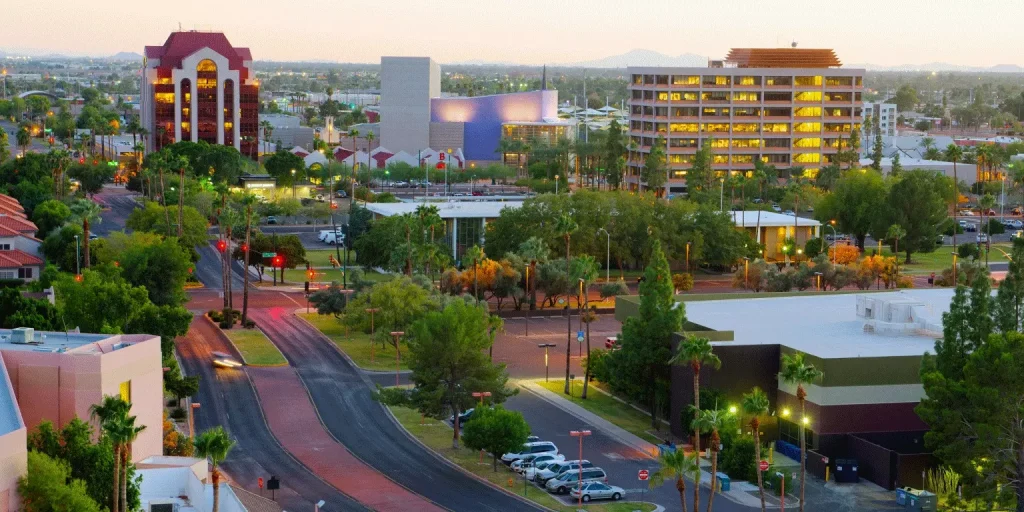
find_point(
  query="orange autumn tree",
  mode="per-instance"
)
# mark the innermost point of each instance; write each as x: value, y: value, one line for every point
x: 844, y: 254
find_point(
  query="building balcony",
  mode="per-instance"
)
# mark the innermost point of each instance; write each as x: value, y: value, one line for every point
x: 776, y: 150
x: 778, y: 102
x: 681, y: 151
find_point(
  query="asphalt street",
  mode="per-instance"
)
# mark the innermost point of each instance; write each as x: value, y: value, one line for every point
x: 342, y: 396
x: 120, y: 207
x: 208, y: 270
x: 227, y: 398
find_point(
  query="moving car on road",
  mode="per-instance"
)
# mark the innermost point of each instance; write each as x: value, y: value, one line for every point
x: 222, y: 360
x: 534, y: 448
x: 569, y: 479
x: 598, y: 491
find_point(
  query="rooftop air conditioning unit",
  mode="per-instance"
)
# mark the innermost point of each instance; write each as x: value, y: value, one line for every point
x: 24, y: 336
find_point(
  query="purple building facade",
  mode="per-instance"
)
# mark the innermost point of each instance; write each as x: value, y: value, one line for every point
x: 482, y: 117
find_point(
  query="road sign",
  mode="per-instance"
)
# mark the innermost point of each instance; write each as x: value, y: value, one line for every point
x: 763, y: 465
x: 579, y: 336
x: 643, y: 475
x: 269, y: 254
x: 824, y: 460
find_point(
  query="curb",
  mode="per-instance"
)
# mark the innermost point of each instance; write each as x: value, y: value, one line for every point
x: 299, y: 311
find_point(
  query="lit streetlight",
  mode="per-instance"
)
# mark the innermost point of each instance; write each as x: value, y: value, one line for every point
x: 293, y: 183
x: 78, y: 256
x: 832, y: 224
x: 545, y: 346
x: 580, y: 434
x: 192, y: 419
x: 371, y: 311
x: 556, y: 184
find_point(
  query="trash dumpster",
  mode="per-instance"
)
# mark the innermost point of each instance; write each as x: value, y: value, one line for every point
x: 846, y: 471
x: 921, y: 501
x: 724, y: 483
x: 901, y: 495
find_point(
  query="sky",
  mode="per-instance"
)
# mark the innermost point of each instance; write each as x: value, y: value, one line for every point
x: 880, y: 32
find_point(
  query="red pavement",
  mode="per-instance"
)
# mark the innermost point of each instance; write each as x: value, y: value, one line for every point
x: 294, y: 422
x: 524, y: 359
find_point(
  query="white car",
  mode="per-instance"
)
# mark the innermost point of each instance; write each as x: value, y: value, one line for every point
x: 567, y: 480
x: 534, y: 448
x: 598, y: 491
x: 553, y: 470
x: 776, y: 208
x: 531, y: 472
x: 222, y: 360
x: 333, y: 238
x: 531, y: 461
x: 1013, y: 223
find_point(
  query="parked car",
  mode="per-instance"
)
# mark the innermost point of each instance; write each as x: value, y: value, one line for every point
x: 776, y: 208
x: 464, y: 416
x: 810, y: 209
x: 989, y: 213
x: 982, y: 238
x: 533, y: 460
x: 530, y: 473
x: 222, y: 360
x: 971, y: 226
x: 757, y: 200
x: 341, y: 193
x: 271, y: 219
x: 569, y: 479
x: 1016, y: 210
x: 598, y: 491
x: 553, y: 470
x: 611, y: 342
x: 1013, y: 223
x: 534, y: 448
x: 790, y: 213
x: 324, y: 232
x: 966, y: 213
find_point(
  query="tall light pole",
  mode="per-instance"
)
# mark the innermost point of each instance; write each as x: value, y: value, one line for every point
x: 447, y: 164
x: 397, y: 335
x: 832, y: 224
x: 371, y: 311
x: 556, y: 184
x: 293, y: 183
x: 580, y: 434
x: 608, y: 255
x: 721, y: 194
x: 78, y: 256
x: 545, y: 346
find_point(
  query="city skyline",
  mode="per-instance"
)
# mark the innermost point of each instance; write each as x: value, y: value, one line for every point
x: 877, y: 33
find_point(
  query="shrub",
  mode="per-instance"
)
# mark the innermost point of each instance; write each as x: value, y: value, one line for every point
x: 215, y: 315
x: 773, y: 481
x: 844, y: 254
x: 737, y: 459
x: 11, y: 283
x: 612, y: 289
x: 905, y: 282
x: 994, y: 227
x: 814, y: 247
x: 451, y: 282
x: 597, y: 364
x: 249, y: 324
x: 386, y: 197
x: 172, y: 402
x: 682, y: 282
x: 178, y: 413
x: 948, y: 226
x: 226, y: 325
x: 968, y: 250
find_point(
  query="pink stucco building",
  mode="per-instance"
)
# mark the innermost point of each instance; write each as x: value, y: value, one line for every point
x: 57, y: 376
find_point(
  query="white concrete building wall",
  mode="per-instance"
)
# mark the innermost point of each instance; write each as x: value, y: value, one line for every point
x: 407, y: 84
x: 886, y: 115
x: 21, y: 243
x: 447, y: 135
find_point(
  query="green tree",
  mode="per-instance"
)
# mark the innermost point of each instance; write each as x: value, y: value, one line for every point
x: 639, y: 369
x: 152, y: 219
x: 48, y: 486
x: 696, y: 352
x: 711, y: 422
x: 828, y: 176
x: 906, y: 98
x: 655, y: 173
x: 496, y: 430
x: 24, y: 138
x: 50, y: 215
x: 894, y: 233
x: 60, y: 247
x: 755, y: 405
x: 111, y: 414
x: 795, y: 370
x: 281, y: 164
x: 1009, y: 302
x: 160, y: 266
x: 896, y: 168
x: 918, y: 203
x: 330, y: 300
x: 876, y: 148
x: 5, y: 153
x: 614, y: 154
x: 399, y: 302
x: 91, y: 177
x: 448, y: 359
x: 214, y: 444
x: 678, y: 465
x: 86, y: 212
x: 19, y: 311
x: 700, y: 175
x: 565, y: 226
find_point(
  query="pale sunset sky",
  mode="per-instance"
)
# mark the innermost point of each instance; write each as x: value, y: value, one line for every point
x: 882, y: 32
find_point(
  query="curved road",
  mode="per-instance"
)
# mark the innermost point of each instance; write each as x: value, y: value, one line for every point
x: 341, y: 393
x: 227, y: 398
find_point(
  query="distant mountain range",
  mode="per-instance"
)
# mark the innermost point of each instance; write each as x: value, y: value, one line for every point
x: 641, y: 57
x: 47, y: 54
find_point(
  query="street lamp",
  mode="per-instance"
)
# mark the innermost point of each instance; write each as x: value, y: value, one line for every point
x: 608, y: 255
x: 293, y: 183
x: 817, y: 275
x: 192, y: 419
x: 688, y: 257
x: 721, y: 194
x: 78, y: 256
x: 545, y: 346
x: 832, y: 224
x: 746, y: 272
x: 580, y: 434
x: 371, y: 311
x: 398, y: 353
x: 556, y: 184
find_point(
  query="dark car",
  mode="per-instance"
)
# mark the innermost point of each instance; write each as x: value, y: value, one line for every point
x: 463, y: 417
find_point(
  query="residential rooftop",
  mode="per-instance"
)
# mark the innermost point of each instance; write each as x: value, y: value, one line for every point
x: 769, y: 219
x: 75, y: 342
x: 448, y: 210
x: 827, y: 325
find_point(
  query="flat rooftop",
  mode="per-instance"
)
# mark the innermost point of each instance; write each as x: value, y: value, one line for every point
x: 448, y: 210
x: 822, y: 325
x: 77, y: 342
x: 769, y: 219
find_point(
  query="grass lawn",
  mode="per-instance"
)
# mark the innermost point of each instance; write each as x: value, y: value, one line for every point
x: 608, y: 408
x: 256, y: 349
x: 356, y: 344
x: 437, y: 436
x: 319, y: 257
x: 942, y: 258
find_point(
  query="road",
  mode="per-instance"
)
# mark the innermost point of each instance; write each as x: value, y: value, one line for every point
x: 341, y: 394
x: 227, y: 398
x: 208, y: 271
x: 119, y: 203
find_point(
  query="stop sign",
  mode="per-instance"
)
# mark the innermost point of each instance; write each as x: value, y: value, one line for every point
x: 643, y: 474
x: 440, y: 165
x: 763, y: 465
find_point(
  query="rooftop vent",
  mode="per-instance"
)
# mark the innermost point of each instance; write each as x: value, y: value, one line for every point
x: 24, y: 336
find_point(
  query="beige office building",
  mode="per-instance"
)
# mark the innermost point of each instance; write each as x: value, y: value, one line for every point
x: 788, y: 107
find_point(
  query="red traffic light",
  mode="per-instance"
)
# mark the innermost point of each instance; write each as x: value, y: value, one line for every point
x: 278, y: 262
x: 245, y: 248
x: 222, y: 245
x: 334, y: 206
x: 78, y: 277
x: 81, y: 160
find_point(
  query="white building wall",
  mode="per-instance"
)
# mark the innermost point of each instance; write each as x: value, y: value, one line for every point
x: 407, y: 84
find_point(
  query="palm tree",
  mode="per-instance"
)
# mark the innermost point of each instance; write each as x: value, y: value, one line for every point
x: 214, y: 444
x: 712, y: 421
x: 228, y: 217
x: 369, y: 149
x: 679, y: 465
x: 895, y: 233
x: 248, y: 201
x: 755, y: 404
x: 108, y: 412
x: 181, y: 163
x: 795, y: 370
x: 696, y: 352
x: 565, y: 226
x: 24, y: 138
x: 955, y: 154
x: 354, y: 133
x: 127, y: 433
x: 87, y: 212
x: 268, y: 130
x: 983, y: 161
x: 143, y: 133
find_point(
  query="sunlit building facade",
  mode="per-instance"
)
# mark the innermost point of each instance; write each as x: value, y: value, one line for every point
x: 787, y: 107
x: 197, y: 87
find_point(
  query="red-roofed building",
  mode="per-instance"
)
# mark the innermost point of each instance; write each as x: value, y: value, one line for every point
x: 16, y: 264
x: 196, y: 86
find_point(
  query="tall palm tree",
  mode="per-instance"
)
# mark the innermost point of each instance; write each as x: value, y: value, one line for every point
x: 86, y: 212
x: 369, y: 149
x: 24, y: 138
x: 712, y: 421
x: 983, y: 161
x: 755, y: 404
x: 565, y: 226
x: 955, y: 154
x: 795, y: 370
x: 696, y: 352
x: 143, y: 134
x: 678, y: 465
x: 476, y: 255
x: 354, y: 133
x: 107, y: 413
x: 127, y: 433
x: 268, y: 130
x: 181, y: 163
x: 214, y: 445
x: 247, y: 201
x: 228, y: 217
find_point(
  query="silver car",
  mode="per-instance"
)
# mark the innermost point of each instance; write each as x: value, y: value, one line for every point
x: 598, y: 491
x: 533, y: 460
x: 567, y: 480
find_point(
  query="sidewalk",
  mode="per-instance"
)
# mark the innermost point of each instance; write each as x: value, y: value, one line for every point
x: 736, y: 494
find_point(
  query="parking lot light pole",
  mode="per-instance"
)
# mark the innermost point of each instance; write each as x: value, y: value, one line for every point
x: 371, y: 311
x: 832, y: 224
x: 397, y: 335
x: 545, y: 346
x: 192, y: 419
x: 579, y: 481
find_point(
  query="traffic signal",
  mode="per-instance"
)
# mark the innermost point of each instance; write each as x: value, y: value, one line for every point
x: 222, y: 246
x: 278, y: 262
x: 245, y: 247
x: 334, y: 206
x: 307, y: 287
x: 81, y: 160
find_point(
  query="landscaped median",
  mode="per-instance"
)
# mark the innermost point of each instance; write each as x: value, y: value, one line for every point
x: 356, y: 344
x: 437, y: 435
x: 604, y: 405
x: 255, y: 347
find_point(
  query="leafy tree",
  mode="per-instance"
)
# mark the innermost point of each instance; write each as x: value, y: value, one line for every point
x: 161, y: 267
x: 85, y: 212
x: 906, y: 98
x: 50, y: 215
x: 448, y: 360
x: 48, y: 486
x: 795, y: 370
x: 5, y: 153
x: 678, y: 465
x: 400, y: 302
x: 565, y: 226
x: 91, y: 176
x: 712, y: 421
x: 281, y: 164
x: 655, y: 170
x: 1009, y: 303
x: 330, y: 300
x: 60, y: 247
x: 17, y: 310
x: 639, y: 369
x: 876, y: 148
x: 917, y: 202
x: 497, y: 431
x: 214, y: 445
x: 614, y: 154
x: 896, y: 168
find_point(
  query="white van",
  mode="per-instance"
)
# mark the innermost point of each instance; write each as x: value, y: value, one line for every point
x: 324, y: 232
x: 334, y: 238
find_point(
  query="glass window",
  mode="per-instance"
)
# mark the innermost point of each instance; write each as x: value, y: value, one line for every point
x: 25, y: 273
x: 807, y: 127
x: 808, y: 112
x: 743, y: 159
x: 125, y: 390
x: 716, y: 127
x: 778, y: 81
x: 746, y: 96
x: 807, y: 158
x: 683, y: 127
x: 720, y: 159
x: 720, y: 143
x: 808, y: 81
x: 749, y: 80
x: 776, y: 127
x: 662, y: 96
x: 746, y: 143
x: 685, y: 80
x: 808, y: 96
x: 811, y: 142
x: 744, y: 127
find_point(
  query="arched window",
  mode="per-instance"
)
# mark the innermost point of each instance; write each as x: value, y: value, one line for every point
x: 206, y: 65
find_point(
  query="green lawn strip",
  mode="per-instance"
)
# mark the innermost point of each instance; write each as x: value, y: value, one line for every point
x: 256, y: 349
x: 620, y: 414
x: 942, y: 257
x: 319, y: 257
x: 437, y: 435
x: 356, y: 344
